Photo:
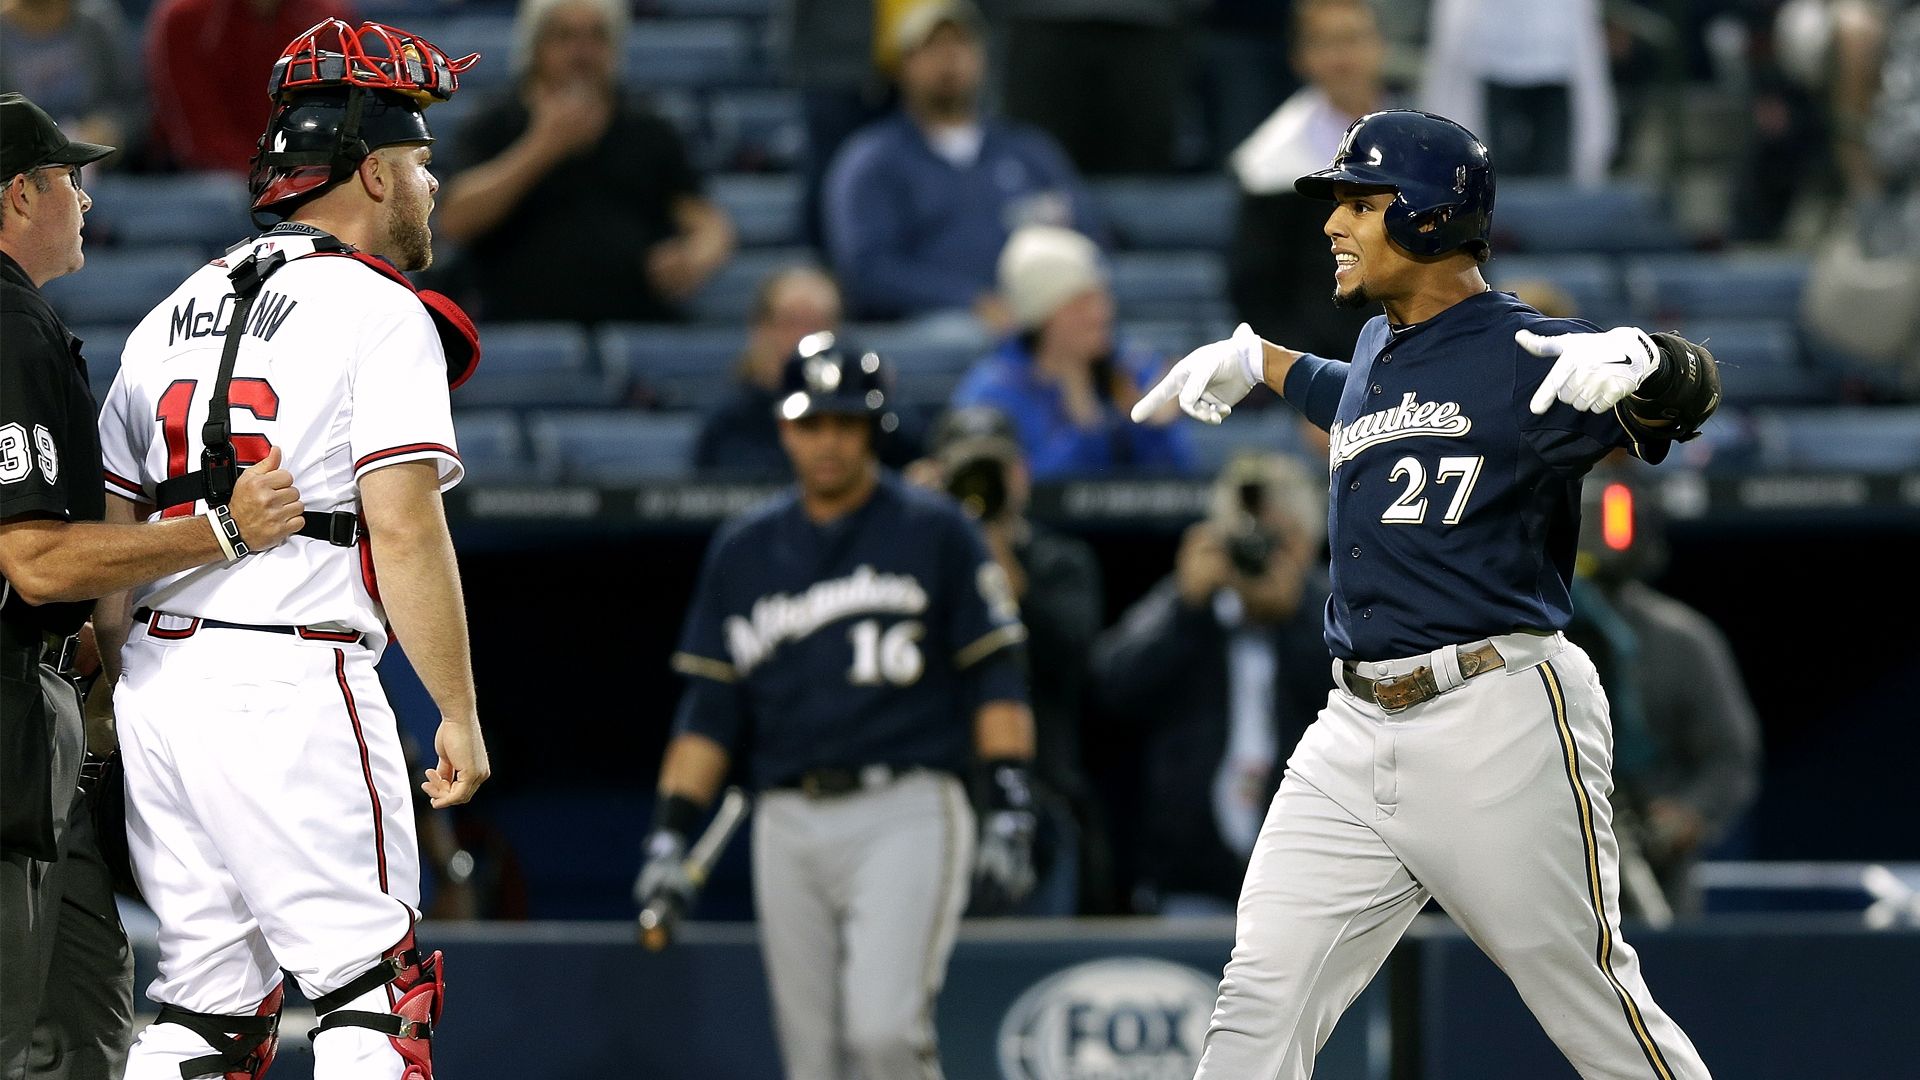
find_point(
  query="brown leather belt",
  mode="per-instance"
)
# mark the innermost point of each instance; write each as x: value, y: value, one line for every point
x: 1397, y: 692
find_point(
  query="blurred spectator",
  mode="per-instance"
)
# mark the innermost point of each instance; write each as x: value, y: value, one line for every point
x: 207, y: 66
x: 1530, y: 77
x: 919, y: 205
x: 1063, y: 379
x: 1222, y: 666
x: 71, y: 57
x: 741, y: 437
x: 1243, y: 68
x: 843, y: 65
x: 1105, y: 77
x: 576, y: 202
x: 1056, y: 580
x: 1280, y: 271
x: 1674, y: 673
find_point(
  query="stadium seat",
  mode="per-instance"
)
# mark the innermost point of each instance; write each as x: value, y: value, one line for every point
x: 1172, y: 338
x: 121, y: 286
x: 495, y: 451
x: 1755, y: 286
x: 756, y: 130
x: 1558, y: 216
x: 728, y: 298
x: 709, y: 9
x: 537, y: 365
x: 691, y: 53
x: 102, y: 346
x: 616, y: 447
x: 677, y: 366
x: 1274, y: 428
x: 765, y: 209
x: 205, y: 211
x: 1760, y: 363
x: 1169, y: 285
x: 1880, y: 438
x: 1157, y: 214
x: 1592, y: 282
x: 929, y: 358
x: 490, y: 35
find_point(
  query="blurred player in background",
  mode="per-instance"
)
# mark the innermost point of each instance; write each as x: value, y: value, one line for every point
x: 855, y: 644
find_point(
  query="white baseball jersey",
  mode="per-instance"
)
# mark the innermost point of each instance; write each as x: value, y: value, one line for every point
x: 339, y: 367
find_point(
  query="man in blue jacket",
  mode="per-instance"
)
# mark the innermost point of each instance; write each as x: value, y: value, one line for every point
x: 919, y: 204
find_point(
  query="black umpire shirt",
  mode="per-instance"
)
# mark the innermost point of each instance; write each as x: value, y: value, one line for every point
x: 49, y: 467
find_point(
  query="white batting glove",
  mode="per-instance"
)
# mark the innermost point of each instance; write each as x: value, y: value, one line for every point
x: 1594, y: 371
x: 1210, y: 380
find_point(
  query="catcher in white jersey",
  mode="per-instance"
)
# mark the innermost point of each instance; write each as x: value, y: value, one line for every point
x: 268, y: 810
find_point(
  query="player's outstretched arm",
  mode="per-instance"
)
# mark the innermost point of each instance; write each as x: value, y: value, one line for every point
x: 1662, y: 381
x: 420, y: 588
x: 1209, y: 381
x: 48, y: 560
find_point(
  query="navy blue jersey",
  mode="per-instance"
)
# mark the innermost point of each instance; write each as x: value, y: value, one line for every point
x: 1454, y: 510
x: 870, y: 640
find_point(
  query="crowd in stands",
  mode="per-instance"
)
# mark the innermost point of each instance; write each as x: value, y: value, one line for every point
x: 1041, y: 206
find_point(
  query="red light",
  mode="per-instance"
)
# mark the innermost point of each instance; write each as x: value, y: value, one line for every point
x: 1616, y: 517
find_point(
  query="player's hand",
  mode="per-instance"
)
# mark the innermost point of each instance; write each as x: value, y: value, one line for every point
x: 1594, y: 371
x: 463, y: 763
x: 1003, y: 867
x: 1210, y: 380
x: 663, y: 877
x: 265, y: 504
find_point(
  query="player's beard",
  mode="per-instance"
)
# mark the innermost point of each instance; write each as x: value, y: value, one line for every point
x: 1354, y: 298
x: 409, y: 240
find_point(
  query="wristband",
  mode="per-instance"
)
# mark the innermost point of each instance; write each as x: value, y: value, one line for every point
x: 227, y: 533
x: 1004, y: 784
x: 677, y: 814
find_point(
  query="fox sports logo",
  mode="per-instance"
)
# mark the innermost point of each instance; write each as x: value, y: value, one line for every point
x: 1128, y: 1018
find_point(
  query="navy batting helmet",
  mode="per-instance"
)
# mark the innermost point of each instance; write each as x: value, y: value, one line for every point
x: 828, y: 375
x: 1440, y: 174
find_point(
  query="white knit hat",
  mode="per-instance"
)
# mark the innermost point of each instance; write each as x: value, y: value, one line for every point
x: 1045, y: 266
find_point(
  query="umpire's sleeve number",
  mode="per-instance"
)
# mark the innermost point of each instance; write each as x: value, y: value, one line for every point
x: 1411, y: 508
x: 17, y: 453
x: 891, y: 656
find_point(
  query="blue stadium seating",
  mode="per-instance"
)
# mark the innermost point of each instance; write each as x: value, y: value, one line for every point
x: 1760, y: 363
x: 765, y: 209
x: 616, y: 448
x: 677, y: 366
x: 692, y: 53
x: 1592, y: 282
x: 495, y: 451
x: 1868, y: 439
x: 536, y: 365
x: 746, y: 9
x: 1172, y: 338
x: 1169, y: 285
x: 102, y: 346
x: 1275, y: 428
x: 755, y: 130
x: 1739, y: 286
x: 490, y: 35
x: 1557, y: 216
x: 728, y: 298
x: 205, y: 211
x: 121, y: 286
x: 929, y: 358
x: 1156, y: 214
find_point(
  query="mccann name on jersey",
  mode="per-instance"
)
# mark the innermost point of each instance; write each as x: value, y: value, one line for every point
x: 1406, y: 420
x: 269, y: 311
x: 782, y: 617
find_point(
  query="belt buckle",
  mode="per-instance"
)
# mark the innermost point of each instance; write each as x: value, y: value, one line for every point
x: 344, y: 531
x: 1420, y: 687
x: 69, y: 652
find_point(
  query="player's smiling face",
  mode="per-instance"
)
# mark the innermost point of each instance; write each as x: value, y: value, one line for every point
x: 1367, y: 267
x: 831, y: 454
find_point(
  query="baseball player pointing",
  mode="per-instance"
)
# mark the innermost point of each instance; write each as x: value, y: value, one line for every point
x: 1465, y: 754
x: 269, y: 812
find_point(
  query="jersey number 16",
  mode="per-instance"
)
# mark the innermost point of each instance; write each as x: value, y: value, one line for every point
x: 891, y: 656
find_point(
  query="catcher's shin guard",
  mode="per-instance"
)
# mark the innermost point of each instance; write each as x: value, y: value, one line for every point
x: 243, y: 1046
x: 419, y: 991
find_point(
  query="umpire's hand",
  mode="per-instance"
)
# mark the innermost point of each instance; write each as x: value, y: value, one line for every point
x: 1003, y: 868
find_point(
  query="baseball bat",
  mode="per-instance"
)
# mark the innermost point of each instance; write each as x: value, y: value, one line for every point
x: 658, y: 918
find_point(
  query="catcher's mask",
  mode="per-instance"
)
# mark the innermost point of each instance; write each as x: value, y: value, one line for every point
x: 339, y: 93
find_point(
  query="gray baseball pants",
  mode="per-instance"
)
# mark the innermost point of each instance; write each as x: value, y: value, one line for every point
x: 859, y: 897
x: 1491, y: 798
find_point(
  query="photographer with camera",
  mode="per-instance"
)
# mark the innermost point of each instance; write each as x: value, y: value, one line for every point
x: 1220, y: 667
x: 1064, y: 378
x: 1056, y: 580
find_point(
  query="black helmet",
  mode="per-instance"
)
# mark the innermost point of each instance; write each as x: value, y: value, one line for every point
x: 829, y: 376
x: 1439, y: 172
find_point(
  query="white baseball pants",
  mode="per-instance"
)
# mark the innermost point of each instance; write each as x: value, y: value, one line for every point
x: 270, y: 820
x: 1492, y: 799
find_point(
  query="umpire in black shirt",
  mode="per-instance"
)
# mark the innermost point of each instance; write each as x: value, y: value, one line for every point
x: 63, y: 955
